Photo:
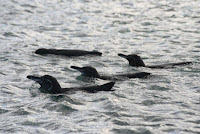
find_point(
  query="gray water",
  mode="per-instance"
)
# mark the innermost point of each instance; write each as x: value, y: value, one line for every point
x: 160, y: 31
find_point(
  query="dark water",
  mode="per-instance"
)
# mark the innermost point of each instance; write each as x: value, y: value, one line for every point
x: 160, y: 31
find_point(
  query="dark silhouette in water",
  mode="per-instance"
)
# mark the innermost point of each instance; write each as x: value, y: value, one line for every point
x: 135, y: 61
x: 92, y: 72
x: 50, y: 85
x: 65, y: 52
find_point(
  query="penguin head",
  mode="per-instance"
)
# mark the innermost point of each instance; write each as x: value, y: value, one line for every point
x: 87, y: 71
x: 48, y: 83
x: 41, y: 51
x: 133, y: 59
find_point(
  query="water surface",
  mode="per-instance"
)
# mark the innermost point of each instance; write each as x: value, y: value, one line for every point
x: 159, y: 31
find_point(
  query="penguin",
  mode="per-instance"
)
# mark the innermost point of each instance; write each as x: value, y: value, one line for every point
x: 50, y: 85
x: 90, y: 71
x: 136, y: 61
x: 66, y: 52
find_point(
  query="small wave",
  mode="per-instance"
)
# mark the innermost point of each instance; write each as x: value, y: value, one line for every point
x: 10, y: 34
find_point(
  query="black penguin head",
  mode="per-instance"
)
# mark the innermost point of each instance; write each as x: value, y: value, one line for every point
x: 133, y: 59
x: 48, y: 83
x: 87, y: 71
x: 41, y: 51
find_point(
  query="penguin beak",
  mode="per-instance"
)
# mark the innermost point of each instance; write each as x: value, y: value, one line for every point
x: 77, y: 68
x: 35, y: 78
x: 122, y: 55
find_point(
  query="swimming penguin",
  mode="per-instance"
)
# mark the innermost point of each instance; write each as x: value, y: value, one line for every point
x: 50, y: 85
x: 89, y: 71
x: 66, y: 52
x: 135, y: 61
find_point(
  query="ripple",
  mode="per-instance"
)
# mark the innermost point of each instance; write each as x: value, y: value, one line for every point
x: 113, y: 114
x: 159, y: 88
x: 30, y: 6
x: 61, y: 108
x: 32, y: 123
x: 154, y: 119
x: 52, y: 126
x: 62, y: 98
x: 21, y: 112
x: 129, y: 131
x: 10, y: 34
x: 150, y: 102
x: 121, y: 123
x: 2, y: 111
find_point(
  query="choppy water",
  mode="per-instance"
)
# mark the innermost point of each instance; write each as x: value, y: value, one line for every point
x: 160, y: 31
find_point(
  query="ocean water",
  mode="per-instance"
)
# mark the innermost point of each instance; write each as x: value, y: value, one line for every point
x: 160, y: 31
